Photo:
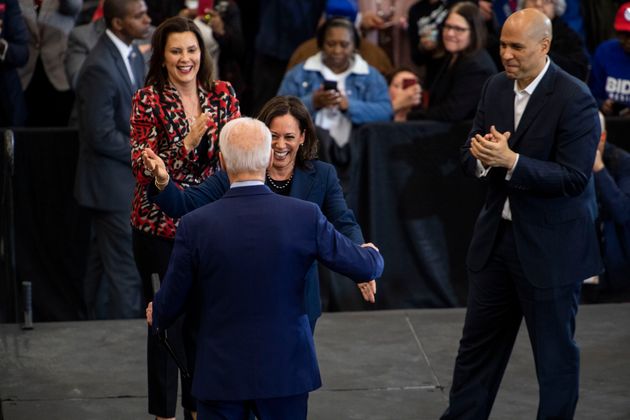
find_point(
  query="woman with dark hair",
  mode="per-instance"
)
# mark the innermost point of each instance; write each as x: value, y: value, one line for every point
x: 337, y: 85
x: 178, y: 116
x: 456, y: 88
x: 294, y: 172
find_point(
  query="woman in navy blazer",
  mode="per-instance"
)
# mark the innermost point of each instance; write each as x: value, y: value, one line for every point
x: 294, y: 172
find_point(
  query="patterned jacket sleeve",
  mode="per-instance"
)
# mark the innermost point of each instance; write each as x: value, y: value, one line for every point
x: 143, y: 131
x: 228, y: 100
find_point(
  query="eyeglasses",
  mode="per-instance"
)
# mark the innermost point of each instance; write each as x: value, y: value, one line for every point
x: 456, y: 29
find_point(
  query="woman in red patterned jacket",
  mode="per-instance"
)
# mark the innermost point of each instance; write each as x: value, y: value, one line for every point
x: 178, y: 115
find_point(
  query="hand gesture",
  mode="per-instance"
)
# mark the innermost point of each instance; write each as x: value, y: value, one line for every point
x: 370, y: 20
x: 368, y: 290
x: 407, y: 98
x: 370, y: 245
x: 198, y: 129
x: 493, y: 150
x: 154, y: 164
x: 149, y: 313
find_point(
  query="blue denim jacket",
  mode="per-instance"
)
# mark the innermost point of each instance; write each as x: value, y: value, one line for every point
x: 368, y: 96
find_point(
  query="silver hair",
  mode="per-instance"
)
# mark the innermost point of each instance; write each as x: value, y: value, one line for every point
x: 245, y: 144
x: 560, y: 6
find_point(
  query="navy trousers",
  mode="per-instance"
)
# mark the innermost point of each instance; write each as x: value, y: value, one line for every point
x: 110, y: 259
x: 499, y: 298
x: 285, y: 408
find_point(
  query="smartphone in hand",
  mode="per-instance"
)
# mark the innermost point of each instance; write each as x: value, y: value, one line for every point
x: 330, y: 85
x: 409, y: 82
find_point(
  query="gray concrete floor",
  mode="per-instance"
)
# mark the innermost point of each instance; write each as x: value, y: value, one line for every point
x: 378, y: 365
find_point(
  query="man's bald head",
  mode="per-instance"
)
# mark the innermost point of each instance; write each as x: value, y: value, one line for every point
x: 525, y: 42
x: 532, y: 22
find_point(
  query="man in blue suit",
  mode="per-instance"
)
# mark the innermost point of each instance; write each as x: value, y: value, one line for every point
x: 104, y: 184
x: 533, y: 142
x: 242, y: 260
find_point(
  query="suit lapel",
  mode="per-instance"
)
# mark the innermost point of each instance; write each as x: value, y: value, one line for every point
x: 504, y: 108
x: 30, y: 16
x: 303, y: 181
x: 118, y: 62
x: 535, y: 105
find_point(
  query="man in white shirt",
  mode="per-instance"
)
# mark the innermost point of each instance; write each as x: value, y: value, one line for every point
x: 533, y: 142
x: 104, y: 184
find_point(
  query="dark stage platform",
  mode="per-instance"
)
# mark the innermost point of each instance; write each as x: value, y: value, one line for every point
x: 378, y: 365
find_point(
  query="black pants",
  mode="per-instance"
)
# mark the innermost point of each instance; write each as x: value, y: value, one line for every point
x: 110, y: 261
x: 152, y: 254
x: 498, y: 299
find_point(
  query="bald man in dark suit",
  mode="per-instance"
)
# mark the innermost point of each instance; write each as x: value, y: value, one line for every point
x: 533, y: 142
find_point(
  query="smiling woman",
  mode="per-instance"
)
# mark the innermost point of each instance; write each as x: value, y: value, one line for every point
x: 178, y: 116
x: 456, y: 88
x: 294, y: 172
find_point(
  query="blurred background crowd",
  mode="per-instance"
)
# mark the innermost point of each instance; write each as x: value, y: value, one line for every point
x: 350, y: 62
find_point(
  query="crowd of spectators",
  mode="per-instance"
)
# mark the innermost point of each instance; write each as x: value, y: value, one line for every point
x: 335, y: 55
x: 254, y: 44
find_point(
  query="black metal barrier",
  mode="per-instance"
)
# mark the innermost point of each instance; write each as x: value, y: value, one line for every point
x: 51, y: 231
x: 408, y: 192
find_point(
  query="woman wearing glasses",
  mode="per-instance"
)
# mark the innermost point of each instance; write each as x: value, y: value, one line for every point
x: 456, y: 88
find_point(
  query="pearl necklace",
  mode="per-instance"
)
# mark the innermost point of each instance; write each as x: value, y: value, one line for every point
x: 286, y: 182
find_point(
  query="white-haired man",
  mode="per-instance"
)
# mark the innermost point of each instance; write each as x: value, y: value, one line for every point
x: 245, y: 257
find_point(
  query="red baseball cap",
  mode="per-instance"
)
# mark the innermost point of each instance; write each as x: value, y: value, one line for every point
x: 622, y: 20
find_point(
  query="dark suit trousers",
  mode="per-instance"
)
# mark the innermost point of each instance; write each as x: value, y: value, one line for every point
x: 286, y: 408
x: 498, y: 298
x: 152, y: 254
x: 110, y: 259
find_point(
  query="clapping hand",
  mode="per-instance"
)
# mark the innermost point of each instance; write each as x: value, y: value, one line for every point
x: 198, y: 128
x: 492, y: 150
